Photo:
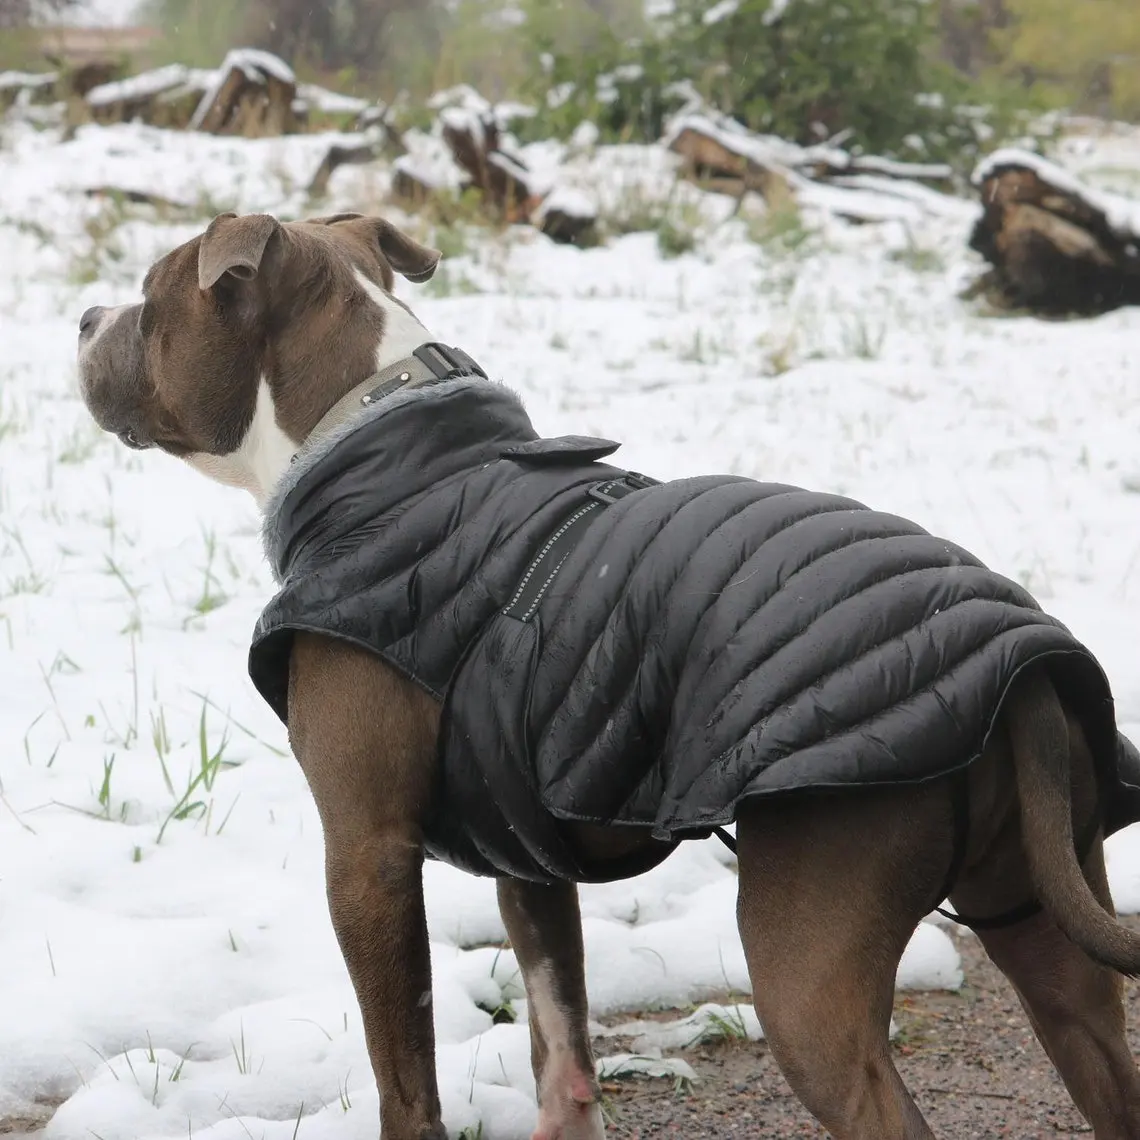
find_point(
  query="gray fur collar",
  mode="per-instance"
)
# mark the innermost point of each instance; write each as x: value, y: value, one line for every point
x: 308, y: 458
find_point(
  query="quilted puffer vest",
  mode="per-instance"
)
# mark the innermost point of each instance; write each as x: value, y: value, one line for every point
x: 698, y: 642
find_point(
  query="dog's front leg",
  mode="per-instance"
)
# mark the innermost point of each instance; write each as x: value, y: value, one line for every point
x: 545, y: 929
x: 375, y: 892
x: 364, y: 738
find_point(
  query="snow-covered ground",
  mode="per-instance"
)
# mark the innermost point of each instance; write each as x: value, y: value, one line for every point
x: 167, y: 967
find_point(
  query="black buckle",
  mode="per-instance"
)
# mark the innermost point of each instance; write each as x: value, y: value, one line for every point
x: 612, y: 490
x: 446, y: 363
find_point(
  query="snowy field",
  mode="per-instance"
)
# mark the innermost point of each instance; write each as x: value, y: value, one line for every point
x: 167, y: 967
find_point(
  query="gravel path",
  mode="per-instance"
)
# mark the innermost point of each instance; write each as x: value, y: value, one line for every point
x: 969, y: 1058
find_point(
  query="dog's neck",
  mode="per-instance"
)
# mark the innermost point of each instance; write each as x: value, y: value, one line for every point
x: 267, y: 450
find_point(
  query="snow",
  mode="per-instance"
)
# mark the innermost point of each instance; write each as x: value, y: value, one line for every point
x: 569, y: 201
x: 464, y: 108
x: 170, y: 969
x: 720, y: 11
x: 1122, y: 214
x: 98, y: 13
x: 331, y: 102
x: 430, y: 161
x: 27, y: 79
x: 768, y: 151
x: 871, y: 164
x: 776, y: 10
x: 139, y: 86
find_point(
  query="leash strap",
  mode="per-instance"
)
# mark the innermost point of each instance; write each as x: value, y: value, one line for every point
x: 544, y: 567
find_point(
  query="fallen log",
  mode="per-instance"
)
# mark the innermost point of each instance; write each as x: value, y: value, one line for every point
x: 23, y: 87
x: 138, y: 198
x: 165, y: 97
x: 336, y: 157
x: 1054, y: 244
x: 724, y: 157
x: 569, y: 217
x: 320, y: 107
x: 721, y: 156
x: 254, y: 94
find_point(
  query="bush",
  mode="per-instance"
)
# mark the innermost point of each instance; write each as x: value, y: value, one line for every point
x: 807, y: 70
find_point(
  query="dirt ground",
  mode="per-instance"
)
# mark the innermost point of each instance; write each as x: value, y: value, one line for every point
x: 970, y: 1059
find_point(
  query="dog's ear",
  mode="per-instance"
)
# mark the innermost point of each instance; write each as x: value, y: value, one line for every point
x: 407, y: 257
x: 235, y: 246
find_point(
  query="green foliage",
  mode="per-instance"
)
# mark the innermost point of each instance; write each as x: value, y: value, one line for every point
x: 195, y: 32
x: 821, y: 67
x: 1088, y: 54
x: 815, y: 70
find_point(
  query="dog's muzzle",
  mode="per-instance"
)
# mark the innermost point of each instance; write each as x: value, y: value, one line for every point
x: 111, y: 372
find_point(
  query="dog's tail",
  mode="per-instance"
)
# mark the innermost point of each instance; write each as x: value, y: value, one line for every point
x: 1039, y: 735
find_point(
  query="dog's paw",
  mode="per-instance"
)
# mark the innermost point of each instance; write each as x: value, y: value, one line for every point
x: 570, y: 1111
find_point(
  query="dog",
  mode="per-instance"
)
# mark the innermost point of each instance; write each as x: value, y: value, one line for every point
x: 256, y: 344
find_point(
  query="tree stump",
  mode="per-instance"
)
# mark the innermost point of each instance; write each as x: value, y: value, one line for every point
x: 1055, y: 245
x: 254, y: 96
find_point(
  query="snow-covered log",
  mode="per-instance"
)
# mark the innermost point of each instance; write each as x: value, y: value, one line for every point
x: 716, y: 148
x: 1055, y: 244
x: 23, y: 87
x: 254, y: 93
x: 568, y: 217
x: 165, y: 97
x: 475, y: 140
x: 722, y: 156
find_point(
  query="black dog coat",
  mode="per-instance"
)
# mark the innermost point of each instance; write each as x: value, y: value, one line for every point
x: 701, y: 641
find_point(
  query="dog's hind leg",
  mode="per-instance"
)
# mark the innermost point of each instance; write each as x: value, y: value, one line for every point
x: 545, y: 929
x: 1076, y: 1011
x: 1074, y: 1004
x: 831, y: 890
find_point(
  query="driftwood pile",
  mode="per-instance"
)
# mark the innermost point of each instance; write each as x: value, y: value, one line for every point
x: 1055, y: 245
x: 253, y: 93
x: 475, y: 156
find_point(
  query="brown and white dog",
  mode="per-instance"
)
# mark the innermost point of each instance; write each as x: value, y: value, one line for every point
x: 246, y: 338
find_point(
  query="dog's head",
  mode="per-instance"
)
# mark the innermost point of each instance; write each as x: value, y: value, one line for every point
x: 247, y: 335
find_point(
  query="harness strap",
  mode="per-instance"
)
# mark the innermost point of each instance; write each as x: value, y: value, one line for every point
x: 728, y: 840
x: 1083, y: 845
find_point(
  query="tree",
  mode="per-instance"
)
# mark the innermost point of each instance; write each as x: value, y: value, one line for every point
x: 966, y: 30
x: 356, y: 34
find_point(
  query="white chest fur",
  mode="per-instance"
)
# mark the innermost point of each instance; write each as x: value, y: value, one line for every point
x: 260, y: 460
